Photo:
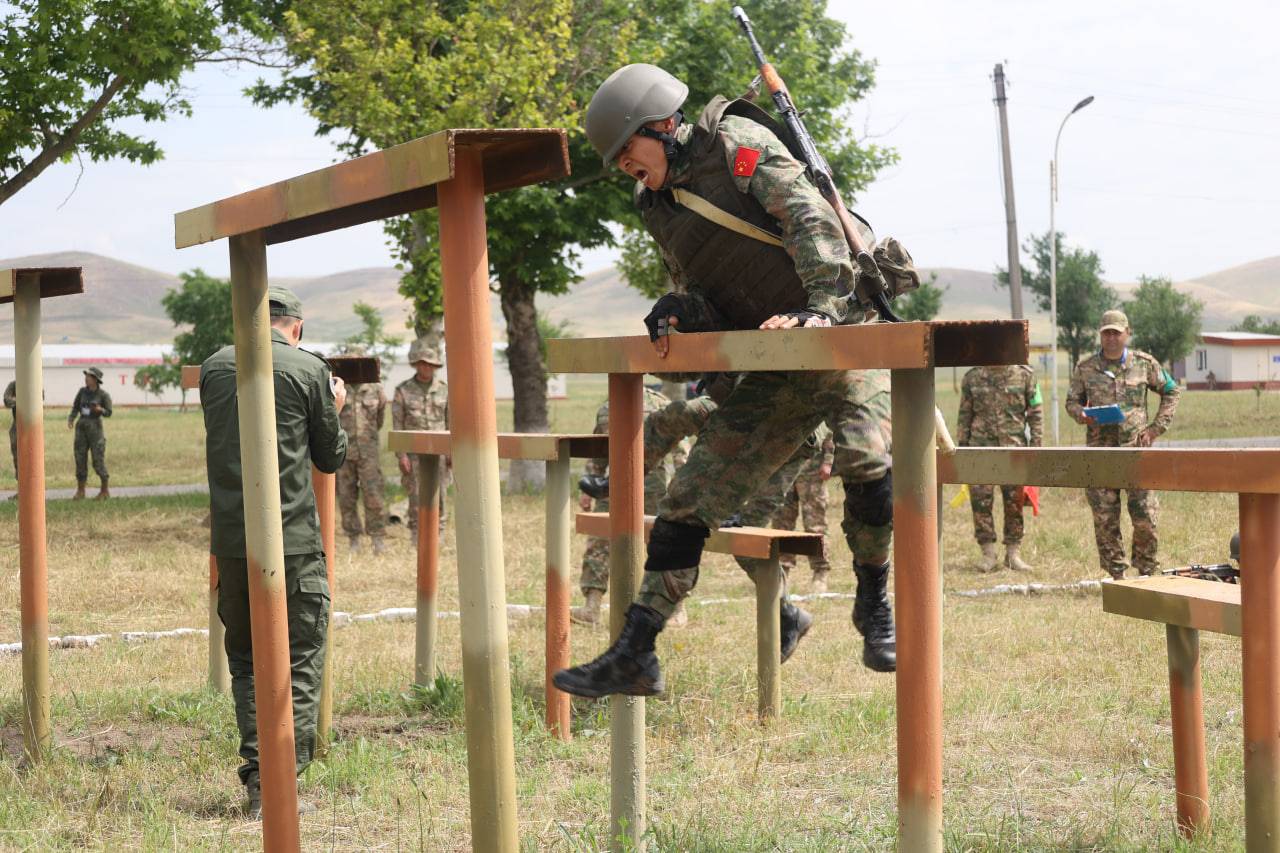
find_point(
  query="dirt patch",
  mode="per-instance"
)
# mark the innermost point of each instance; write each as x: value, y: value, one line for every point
x: 109, y: 742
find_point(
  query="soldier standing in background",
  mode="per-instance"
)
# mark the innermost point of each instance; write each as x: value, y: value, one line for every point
x: 91, y: 405
x: 11, y: 403
x: 1121, y: 376
x: 1000, y: 407
x: 361, y: 475
x: 420, y: 402
x: 807, y: 499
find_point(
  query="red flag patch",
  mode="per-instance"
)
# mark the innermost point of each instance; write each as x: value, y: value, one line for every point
x: 744, y: 162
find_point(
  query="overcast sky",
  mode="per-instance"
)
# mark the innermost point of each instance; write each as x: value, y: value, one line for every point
x: 1172, y: 170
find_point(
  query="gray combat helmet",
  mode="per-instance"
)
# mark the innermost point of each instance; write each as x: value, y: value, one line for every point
x: 633, y: 96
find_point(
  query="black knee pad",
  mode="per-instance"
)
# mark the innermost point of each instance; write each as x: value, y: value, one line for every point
x: 871, y: 503
x: 675, y: 546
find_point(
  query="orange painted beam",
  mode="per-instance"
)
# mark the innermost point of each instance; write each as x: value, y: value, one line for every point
x: 760, y: 542
x: 511, y: 445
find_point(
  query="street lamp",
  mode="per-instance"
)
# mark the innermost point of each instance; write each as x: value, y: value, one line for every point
x: 1053, y: 268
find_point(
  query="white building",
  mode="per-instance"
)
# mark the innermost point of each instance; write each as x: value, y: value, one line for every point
x: 64, y: 367
x: 1233, y: 360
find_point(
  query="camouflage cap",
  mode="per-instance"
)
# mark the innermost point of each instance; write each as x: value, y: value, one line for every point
x: 424, y: 350
x: 95, y: 372
x: 284, y: 302
x: 1114, y: 319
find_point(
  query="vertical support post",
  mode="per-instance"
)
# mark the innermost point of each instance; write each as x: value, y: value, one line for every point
x: 424, y: 646
x: 1186, y: 710
x: 769, y: 638
x: 464, y: 261
x: 32, y: 558
x: 264, y: 542
x: 626, y: 559
x: 219, y: 675
x: 325, y: 487
x: 918, y: 599
x: 1260, y: 635
x: 558, y: 537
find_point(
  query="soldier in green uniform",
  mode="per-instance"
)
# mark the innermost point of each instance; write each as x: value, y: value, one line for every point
x: 1000, y: 407
x: 420, y: 402
x: 90, y: 406
x: 11, y: 403
x: 1117, y: 375
x: 784, y: 263
x: 359, y: 479
x: 307, y: 401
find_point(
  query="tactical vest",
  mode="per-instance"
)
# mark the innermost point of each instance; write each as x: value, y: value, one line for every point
x: 746, y: 280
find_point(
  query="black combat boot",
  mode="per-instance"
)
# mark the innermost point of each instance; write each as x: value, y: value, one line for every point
x: 874, y: 619
x: 795, y: 624
x: 629, y: 666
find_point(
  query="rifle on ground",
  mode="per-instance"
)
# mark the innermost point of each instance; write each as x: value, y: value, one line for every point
x: 820, y: 171
x: 1220, y: 572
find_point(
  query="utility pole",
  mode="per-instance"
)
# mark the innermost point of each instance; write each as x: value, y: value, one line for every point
x: 1010, y: 217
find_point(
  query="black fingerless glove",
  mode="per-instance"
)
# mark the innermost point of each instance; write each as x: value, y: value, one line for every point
x: 669, y: 305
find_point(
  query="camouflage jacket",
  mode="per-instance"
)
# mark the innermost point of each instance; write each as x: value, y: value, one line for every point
x: 1098, y: 381
x: 80, y: 407
x: 418, y: 406
x: 364, y: 412
x: 1000, y: 407
x: 775, y: 181
x: 824, y: 451
x: 654, y: 401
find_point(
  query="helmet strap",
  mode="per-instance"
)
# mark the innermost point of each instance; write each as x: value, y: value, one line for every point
x: 670, y: 146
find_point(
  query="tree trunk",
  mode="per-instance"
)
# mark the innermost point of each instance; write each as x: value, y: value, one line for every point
x: 528, y: 374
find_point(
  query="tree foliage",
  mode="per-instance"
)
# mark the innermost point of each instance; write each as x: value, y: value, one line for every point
x: 1254, y: 323
x: 372, y: 339
x: 203, y: 303
x: 154, y: 378
x: 76, y: 75
x: 1165, y: 323
x: 1082, y: 296
x: 923, y: 303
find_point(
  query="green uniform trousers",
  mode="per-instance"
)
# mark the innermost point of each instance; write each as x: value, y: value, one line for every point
x: 90, y: 439
x: 307, y: 587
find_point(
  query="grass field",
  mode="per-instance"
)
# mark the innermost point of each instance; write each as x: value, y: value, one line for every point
x: 1057, y: 733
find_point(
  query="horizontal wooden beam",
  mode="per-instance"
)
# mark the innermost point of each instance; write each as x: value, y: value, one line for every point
x: 54, y: 281
x: 385, y: 183
x: 1187, y: 602
x: 876, y: 345
x: 1254, y: 470
x: 511, y: 445
x: 761, y: 542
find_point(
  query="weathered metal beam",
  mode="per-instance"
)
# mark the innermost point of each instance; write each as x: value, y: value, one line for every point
x: 1185, y: 602
x: 1173, y: 469
x: 385, y: 183
x: 559, y: 503
x: 887, y: 345
x: 325, y: 487
x: 511, y: 445
x: 1260, y: 668
x: 1186, y: 713
x: 760, y: 542
x: 51, y: 281
x: 424, y: 648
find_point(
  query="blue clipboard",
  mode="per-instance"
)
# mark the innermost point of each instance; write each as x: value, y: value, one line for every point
x: 1105, y: 415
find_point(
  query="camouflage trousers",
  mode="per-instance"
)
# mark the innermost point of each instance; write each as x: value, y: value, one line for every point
x: 982, y: 499
x: 755, y: 432
x: 360, y: 477
x: 807, y: 500
x: 410, y: 483
x: 1143, y: 508
x: 595, y: 559
x: 765, y: 504
x: 307, y: 591
x: 90, y: 439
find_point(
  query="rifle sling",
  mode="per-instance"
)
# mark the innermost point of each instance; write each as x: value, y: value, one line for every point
x: 723, y: 218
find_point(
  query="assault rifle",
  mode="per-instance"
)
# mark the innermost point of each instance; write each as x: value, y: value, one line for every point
x: 1221, y: 572
x: 820, y: 171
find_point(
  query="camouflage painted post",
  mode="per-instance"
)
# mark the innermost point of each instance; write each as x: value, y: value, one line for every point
x: 918, y: 601
x: 1186, y: 712
x: 559, y: 533
x: 219, y: 673
x: 33, y: 568
x: 424, y: 646
x: 626, y: 562
x: 769, y: 639
x: 464, y: 261
x: 325, y: 488
x: 1260, y: 627
x: 264, y: 542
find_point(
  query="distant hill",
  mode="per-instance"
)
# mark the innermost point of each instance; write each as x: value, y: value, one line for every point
x: 121, y: 303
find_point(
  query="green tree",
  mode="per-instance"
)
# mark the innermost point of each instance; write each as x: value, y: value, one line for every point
x: 372, y: 337
x: 203, y: 303
x: 1082, y: 296
x: 1165, y: 323
x: 923, y: 303
x: 1254, y: 323
x: 154, y: 378
x: 77, y: 75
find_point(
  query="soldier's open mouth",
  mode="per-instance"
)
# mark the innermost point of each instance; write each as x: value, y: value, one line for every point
x: 642, y: 176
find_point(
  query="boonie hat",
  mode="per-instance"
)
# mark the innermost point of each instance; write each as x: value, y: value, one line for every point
x: 1114, y: 319
x: 94, y: 372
